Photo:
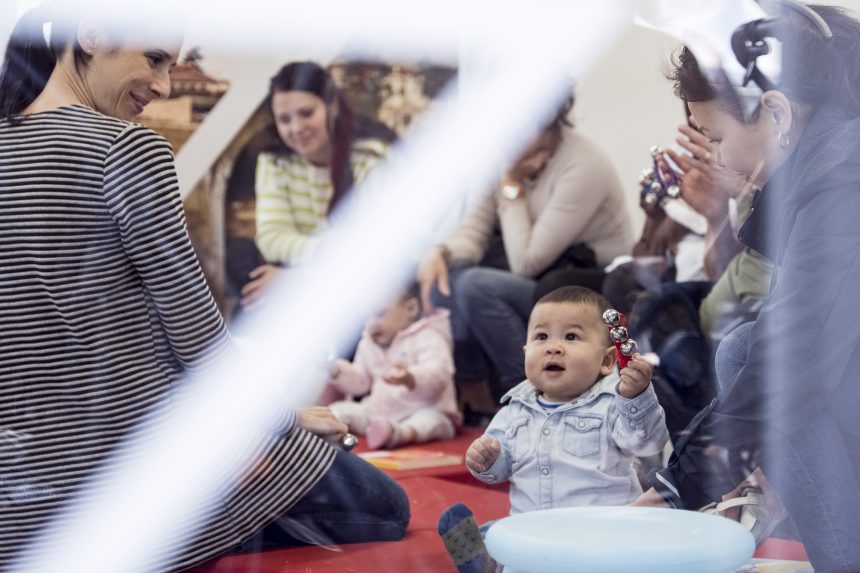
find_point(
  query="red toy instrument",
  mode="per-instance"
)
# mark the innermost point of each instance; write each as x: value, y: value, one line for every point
x: 624, y: 345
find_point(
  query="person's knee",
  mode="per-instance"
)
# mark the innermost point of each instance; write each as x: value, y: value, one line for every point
x: 401, y: 514
x: 731, y: 354
x: 733, y: 347
x: 475, y: 285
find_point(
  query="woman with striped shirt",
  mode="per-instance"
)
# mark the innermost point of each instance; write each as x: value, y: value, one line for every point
x: 103, y: 306
x: 324, y: 150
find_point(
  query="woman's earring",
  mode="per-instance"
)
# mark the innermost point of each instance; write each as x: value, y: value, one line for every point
x: 783, y: 140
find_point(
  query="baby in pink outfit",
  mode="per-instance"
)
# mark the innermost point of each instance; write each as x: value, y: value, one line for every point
x: 405, y: 361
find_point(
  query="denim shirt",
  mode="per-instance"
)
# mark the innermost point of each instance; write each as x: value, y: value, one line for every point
x: 580, y: 453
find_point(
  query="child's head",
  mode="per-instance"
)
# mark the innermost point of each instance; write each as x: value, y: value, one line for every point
x: 568, y: 347
x: 397, y: 316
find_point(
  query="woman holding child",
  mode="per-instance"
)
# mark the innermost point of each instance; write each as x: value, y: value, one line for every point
x: 103, y: 306
x: 788, y: 380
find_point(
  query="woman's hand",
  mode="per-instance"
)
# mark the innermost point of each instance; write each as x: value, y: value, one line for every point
x: 261, y: 278
x: 320, y: 420
x: 535, y: 157
x: 433, y: 271
x: 705, y: 185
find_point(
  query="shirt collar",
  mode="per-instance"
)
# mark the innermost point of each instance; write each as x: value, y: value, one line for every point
x: 526, y: 393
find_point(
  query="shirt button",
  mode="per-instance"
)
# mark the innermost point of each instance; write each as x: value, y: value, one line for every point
x: 633, y: 409
x: 546, y: 431
x: 545, y: 472
x: 581, y: 424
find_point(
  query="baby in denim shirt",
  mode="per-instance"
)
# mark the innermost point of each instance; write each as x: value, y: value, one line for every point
x: 568, y: 435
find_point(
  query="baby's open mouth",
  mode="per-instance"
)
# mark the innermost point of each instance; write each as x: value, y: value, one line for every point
x: 554, y: 367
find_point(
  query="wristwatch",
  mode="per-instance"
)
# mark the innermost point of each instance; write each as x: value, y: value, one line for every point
x: 512, y: 192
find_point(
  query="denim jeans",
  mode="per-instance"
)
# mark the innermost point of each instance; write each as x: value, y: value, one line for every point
x: 815, y: 472
x: 493, y: 307
x: 731, y: 355
x: 354, y: 502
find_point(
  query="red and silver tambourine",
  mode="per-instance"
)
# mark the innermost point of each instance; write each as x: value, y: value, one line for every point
x: 624, y: 345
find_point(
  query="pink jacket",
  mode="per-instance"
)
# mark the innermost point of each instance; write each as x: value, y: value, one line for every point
x: 425, y: 348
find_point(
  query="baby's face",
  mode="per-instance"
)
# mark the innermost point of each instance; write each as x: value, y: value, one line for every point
x: 392, y: 320
x: 567, y: 349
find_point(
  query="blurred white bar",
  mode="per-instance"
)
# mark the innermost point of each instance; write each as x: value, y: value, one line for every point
x: 531, y: 50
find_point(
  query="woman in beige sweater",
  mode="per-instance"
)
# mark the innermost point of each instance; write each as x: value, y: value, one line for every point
x: 561, y: 196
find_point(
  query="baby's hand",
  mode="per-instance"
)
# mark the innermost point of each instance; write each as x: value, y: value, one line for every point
x: 336, y: 366
x: 482, y: 454
x: 399, y: 376
x: 635, y: 378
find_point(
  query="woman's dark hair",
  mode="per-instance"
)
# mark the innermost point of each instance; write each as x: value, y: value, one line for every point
x: 29, y: 59
x: 561, y: 119
x: 344, y: 128
x: 816, y: 70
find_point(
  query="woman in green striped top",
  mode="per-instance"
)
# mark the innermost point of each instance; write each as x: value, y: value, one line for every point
x: 325, y: 150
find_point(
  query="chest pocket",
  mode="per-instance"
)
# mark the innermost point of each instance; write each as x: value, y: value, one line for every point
x: 582, y: 435
x: 517, y: 436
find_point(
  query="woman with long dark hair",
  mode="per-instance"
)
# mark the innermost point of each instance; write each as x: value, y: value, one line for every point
x: 324, y: 149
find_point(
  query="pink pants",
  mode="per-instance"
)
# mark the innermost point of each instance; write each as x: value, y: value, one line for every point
x: 428, y: 423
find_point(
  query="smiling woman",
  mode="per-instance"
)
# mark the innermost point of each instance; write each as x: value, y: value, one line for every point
x: 103, y: 309
x: 132, y: 67
x: 323, y: 150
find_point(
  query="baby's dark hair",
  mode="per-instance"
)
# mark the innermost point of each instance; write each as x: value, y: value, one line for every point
x: 579, y: 295
x: 413, y: 290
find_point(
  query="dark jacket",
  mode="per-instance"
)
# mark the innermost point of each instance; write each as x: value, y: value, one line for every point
x: 801, y: 367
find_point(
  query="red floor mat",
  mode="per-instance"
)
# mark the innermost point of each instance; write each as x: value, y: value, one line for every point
x: 421, y: 551
x: 430, y: 492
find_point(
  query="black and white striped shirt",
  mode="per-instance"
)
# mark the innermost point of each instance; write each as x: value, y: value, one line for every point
x: 102, y: 306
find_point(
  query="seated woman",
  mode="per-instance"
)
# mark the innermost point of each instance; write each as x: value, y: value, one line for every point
x: 788, y: 382
x: 560, y: 203
x: 103, y: 301
x: 323, y: 150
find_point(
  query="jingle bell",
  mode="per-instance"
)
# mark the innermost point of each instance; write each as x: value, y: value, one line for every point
x: 618, y: 334
x: 612, y: 317
x: 629, y: 347
x: 348, y: 441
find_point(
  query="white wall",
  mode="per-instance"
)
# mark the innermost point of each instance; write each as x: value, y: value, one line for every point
x: 627, y: 106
